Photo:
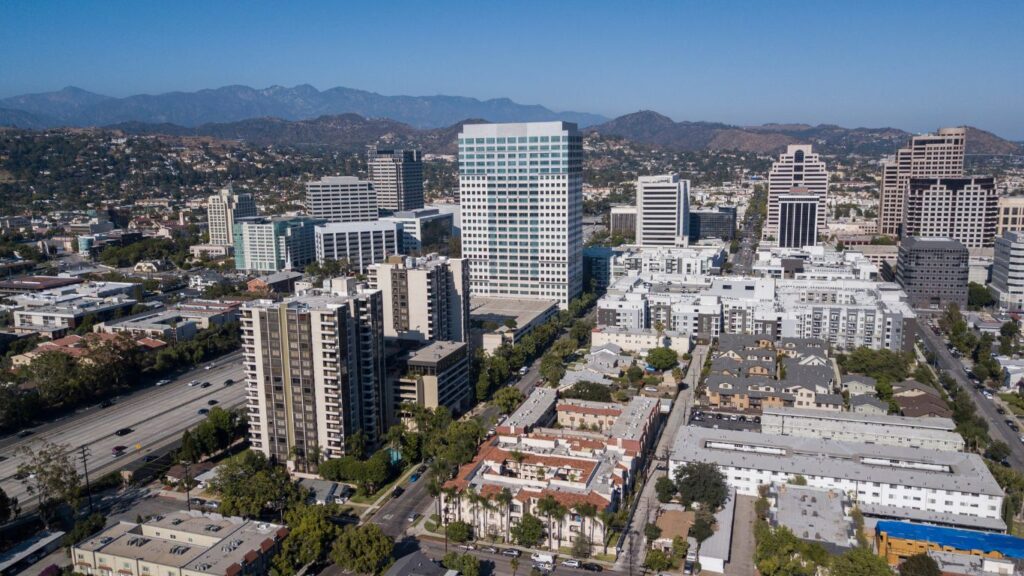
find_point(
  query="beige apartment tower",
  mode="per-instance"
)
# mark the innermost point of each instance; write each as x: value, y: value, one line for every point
x: 314, y: 369
x: 425, y: 298
x: 223, y: 209
x: 799, y: 173
x: 939, y: 155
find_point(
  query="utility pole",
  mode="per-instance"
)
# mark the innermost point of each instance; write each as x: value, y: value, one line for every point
x: 84, y: 451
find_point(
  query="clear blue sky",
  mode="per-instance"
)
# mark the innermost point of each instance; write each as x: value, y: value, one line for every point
x: 909, y: 64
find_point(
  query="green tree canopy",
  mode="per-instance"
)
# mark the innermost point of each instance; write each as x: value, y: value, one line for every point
x: 364, y: 549
x: 529, y: 532
x: 860, y: 562
x: 920, y: 565
x: 662, y: 358
x: 701, y: 482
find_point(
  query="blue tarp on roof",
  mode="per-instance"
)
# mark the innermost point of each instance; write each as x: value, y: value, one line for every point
x: 1009, y: 546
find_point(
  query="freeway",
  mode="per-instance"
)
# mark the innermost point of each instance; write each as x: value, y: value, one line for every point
x: 155, y: 415
x: 997, y: 428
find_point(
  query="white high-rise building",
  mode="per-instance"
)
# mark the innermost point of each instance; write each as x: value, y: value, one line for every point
x: 939, y: 155
x: 397, y: 176
x: 797, y: 168
x: 662, y: 210
x: 964, y: 209
x: 521, y: 189
x: 222, y: 210
x: 341, y: 199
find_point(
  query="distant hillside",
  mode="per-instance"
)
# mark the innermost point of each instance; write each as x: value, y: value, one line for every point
x: 76, y: 107
x: 649, y: 127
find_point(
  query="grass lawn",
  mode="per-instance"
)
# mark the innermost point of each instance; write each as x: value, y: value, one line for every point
x: 1014, y: 401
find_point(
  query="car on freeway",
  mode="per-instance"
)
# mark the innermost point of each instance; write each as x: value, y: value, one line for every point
x: 118, y: 450
x: 106, y: 404
x: 208, y: 367
x: 229, y: 382
x: 25, y: 433
x: 204, y: 385
x: 150, y: 457
x: 203, y: 411
x: 193, y: 383
x: 511, y: 553
x: 212, y: 402
x: 571, y: 563
x: 124, y: 431
x: 163, y: 382
x: 414, y: 478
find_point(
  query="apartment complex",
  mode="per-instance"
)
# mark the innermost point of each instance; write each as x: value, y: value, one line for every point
x: 662, y: 210
x: 397, y: 177
x: 314, y: 368
x: 223, y: 210
x: 704, y: 259
x: 964, y: 209
x: 180, y: 544
x: 796, y: 179
x: 933, y: 272
x: 425, y: 298
x: 939, y: 155
x: 956, y: 484
x: 361, y: 244
x: 342, y: 199
x: 925, y: 432
x: 521, y: 190
x: 1008, y: 270
x: 272, y: 244
x: 55, y: 312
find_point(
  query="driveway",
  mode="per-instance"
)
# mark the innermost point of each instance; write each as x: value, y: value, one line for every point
x: 741, y: 553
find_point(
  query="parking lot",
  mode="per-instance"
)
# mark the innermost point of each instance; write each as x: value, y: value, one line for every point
x: 720, y: 420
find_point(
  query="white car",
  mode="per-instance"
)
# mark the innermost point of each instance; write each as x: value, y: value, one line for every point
x: 193, y: 383
x: 163, y: 382
x: 570, y: 563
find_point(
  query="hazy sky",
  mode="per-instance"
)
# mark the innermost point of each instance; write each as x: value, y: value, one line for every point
x: 915, y: 65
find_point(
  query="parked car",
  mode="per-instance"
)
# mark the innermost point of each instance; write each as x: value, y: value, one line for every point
x: 511, y: 553
x: 413, y: 517
x: 489, y: 549
x: 591, y: 567
x: 398, y: 491
x: 414, y: 477
x: 571, y: 563
x: 467, y: 547
x: 542, y: 558
x: 25, y: 433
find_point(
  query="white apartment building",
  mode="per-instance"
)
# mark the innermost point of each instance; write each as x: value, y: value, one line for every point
x: 939, y: 155
x: 799, y: 172
x: 341, y: 199
x: 314, y: 369
x: 1008, y: 270
x: 692, y: 260
x: 662, y: 210
x: 397, y: 177
x: 425, y: 298
x: 359, y: 243
x: 521, y: 190
x: 222, y: 210
x: 904, y: 478
x: 964, y: 209
x: 926, y: 432
x: 265, y: 244
x: 814, y: 263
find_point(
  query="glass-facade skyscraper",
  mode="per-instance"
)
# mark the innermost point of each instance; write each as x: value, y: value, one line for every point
x: 521, y: 191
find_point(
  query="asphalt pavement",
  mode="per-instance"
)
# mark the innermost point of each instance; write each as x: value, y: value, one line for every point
x: 997, y: 427
x: 156, y: 416
x: 499, y: 565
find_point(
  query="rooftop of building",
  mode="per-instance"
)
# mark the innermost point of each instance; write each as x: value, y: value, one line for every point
x: 218, y: 541
x: 882, y: 511
x: 630, y: 423
x: 895, y: 465
x: 365, y: 226
x: 955, y: 538
x: 529, y: 413
x: 36, y: 283
x: 523, y: 310
x: 813, y: 514
x: 925, y: 425
x: 435, y: 351
x: 931, y: 243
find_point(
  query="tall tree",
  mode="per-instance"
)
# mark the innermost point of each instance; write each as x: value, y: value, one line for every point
x: 920, y: 565
x: 364, y: 549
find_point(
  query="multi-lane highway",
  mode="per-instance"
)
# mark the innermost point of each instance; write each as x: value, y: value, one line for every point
x: 155, y: 415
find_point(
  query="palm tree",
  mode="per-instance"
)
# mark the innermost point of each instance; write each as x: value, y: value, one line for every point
x: 559, y: 513
x: 518, y: 457
x: 474, y: 502
x: 450, y: 494
x: 437, y: 474
x: 587, y: 511
x: 606, y: 519
x: 487, y: 506
x: 547, y: 506
x: 504, y: 498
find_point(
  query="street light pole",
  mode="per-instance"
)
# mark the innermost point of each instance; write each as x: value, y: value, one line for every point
x: 188, y: 485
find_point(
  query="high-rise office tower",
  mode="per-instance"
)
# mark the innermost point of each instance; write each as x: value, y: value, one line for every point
x: 662, y: 210
x: 521, y: 188
x: 314, y: 368
x: 358, y: 243
x: 938, y: 155
x: 397, y: 176
x: 425, y: 298
x: 798, y: 219
x: 223, y: 209
x: 1008, y: 270
x: 272, y: 244
x: 964, y: 209
x: 342, y: 199
x: 798, y: 167
x: 933, y: 272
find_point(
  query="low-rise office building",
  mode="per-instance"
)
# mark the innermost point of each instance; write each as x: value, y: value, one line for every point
x: 180, y: 544
x: 436, y: 375
x: 361, y: 244
x: 933, y: 272
x: 501, y: 321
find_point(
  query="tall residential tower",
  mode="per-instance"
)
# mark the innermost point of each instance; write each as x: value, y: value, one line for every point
x: 521, y: 190
x: 223, y: 209
x: 662, y: 210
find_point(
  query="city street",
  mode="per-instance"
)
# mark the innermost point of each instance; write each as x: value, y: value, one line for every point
x: 499, y: 565
x: 743, y: 260
x: 156, y: 416
x: 997, y: 427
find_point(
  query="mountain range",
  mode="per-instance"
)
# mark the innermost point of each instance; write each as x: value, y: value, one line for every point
x: 76, y: 107
x: 344, y: 118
